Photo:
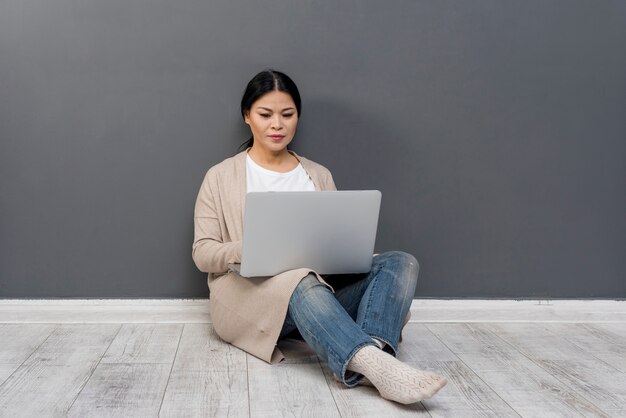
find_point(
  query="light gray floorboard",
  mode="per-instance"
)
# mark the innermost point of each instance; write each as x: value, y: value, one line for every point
x: 47, y: 383
x: 39, y: 390
x: 596, y: 340
x: 593, y: 380
x: 206, y: 393
x: 618, y: 329
x: 525, y: 386
x: 209, y: 377
x: 133, y: 373
x: 542, y: 341
x: 465, y: 394
x: 20, y: 340
x: 287, y: 390
x: 73, y: 344
x: 588, y: 376
x: 122, y: 390
x: 420, y: 344
x: 297, y: 351
x: 201, y: 349
x: 144, y: 343
x: 6, y: 370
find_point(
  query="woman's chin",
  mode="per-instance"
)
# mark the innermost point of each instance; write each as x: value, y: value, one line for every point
x: 276, y: 146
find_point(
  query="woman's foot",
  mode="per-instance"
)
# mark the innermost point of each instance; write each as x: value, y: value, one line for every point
x: 395, y: 380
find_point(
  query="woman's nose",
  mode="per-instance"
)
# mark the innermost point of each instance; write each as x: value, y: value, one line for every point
x: 277, y: 123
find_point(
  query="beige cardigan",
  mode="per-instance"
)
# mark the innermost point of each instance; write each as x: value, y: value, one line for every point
x: 246, y: 312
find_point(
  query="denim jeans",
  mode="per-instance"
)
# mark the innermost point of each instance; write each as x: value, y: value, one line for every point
x: 375, y: 304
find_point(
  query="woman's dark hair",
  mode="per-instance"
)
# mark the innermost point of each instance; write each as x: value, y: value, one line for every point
x: 265, y: 82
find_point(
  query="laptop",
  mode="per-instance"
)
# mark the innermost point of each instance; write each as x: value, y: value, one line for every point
x: 331, y: 232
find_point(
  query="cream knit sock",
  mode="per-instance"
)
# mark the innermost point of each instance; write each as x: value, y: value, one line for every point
x: 395, y: 380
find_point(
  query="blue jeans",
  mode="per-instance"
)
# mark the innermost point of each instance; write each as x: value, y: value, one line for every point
x: 363, y: 306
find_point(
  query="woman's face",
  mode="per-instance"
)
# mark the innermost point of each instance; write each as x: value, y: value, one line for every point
x: 273, y: 119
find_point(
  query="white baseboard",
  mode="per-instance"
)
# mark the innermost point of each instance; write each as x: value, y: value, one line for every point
x: 463, y: 310
x: 105, y: 311
x: 79, y: 311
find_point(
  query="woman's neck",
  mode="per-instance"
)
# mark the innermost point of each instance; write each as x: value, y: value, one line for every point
x: 281, y: 161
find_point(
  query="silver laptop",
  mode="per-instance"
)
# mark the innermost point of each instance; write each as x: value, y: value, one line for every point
x: 331, y: 232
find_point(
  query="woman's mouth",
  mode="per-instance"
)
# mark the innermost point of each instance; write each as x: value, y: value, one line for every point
x: 277, y: 137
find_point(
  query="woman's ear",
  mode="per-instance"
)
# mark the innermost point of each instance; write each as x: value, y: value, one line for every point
x: 246, y: 117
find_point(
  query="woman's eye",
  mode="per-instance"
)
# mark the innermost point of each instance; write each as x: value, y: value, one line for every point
x: 288, y: 115
x: 265, y: 115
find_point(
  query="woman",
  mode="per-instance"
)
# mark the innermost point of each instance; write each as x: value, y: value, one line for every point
x: 355, y: 328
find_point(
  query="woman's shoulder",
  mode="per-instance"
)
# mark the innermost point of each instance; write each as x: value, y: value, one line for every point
x: 226, y: 167
x: 310, y: 165
x: 320, y: 174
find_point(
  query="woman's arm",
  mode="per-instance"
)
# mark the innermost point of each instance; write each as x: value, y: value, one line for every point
x: 209, y: 252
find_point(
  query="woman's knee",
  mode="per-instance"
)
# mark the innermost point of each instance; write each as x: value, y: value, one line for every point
x: 308, y: 284
x: 399, y: 258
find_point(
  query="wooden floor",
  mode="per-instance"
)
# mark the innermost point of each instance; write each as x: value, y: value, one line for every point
x: 498, y: 369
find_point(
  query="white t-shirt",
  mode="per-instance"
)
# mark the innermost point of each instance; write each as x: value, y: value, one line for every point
x: 260, y: 179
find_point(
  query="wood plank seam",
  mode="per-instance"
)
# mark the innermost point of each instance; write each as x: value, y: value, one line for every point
x: 169, y: 376
x: 94, y: 369
x: 319, y: 362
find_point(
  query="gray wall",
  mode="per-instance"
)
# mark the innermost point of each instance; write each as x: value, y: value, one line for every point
x: 495, y: 130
